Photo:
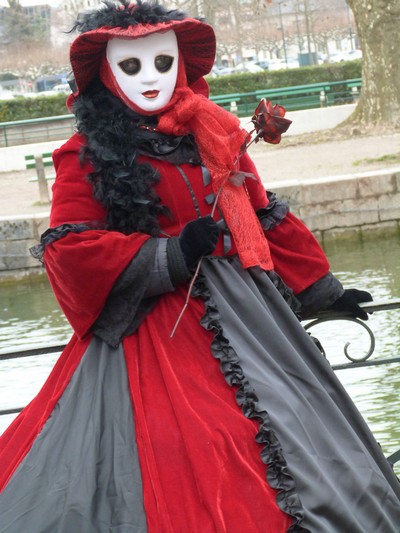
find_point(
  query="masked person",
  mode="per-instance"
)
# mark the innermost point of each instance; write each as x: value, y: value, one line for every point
x: 233, y: 424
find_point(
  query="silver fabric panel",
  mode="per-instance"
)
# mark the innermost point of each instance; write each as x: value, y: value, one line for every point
x: 159, y: 281
x: 82, y: 474
x: 343, y: 481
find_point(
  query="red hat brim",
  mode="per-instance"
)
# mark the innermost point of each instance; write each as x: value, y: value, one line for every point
x: 196, y: 42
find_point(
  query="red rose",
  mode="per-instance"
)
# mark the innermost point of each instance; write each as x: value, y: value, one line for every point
x: 269, y: 122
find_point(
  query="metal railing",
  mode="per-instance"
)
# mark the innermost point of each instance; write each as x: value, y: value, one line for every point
x: 243, y: 104
x: 363, y: 360
x: 36, y: 130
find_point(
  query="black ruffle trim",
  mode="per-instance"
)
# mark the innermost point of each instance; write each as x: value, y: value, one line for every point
x: 272, y: 215
x: 54, y: 234
x: 278, y: 475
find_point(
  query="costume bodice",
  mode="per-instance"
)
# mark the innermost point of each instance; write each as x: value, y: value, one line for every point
x: 187, y: 192
x: 184, y: 188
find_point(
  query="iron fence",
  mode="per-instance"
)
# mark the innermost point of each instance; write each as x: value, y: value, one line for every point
x: 353, y: 362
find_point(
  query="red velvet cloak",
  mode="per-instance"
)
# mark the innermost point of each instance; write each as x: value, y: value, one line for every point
x: 175, y: 384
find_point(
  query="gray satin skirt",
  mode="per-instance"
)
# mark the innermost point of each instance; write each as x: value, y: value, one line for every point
x: 343, y: 481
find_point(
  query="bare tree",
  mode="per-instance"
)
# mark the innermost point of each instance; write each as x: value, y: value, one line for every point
x: 378, y: 23
x: 329, y: 25
x: 20, y: 27
x: 41, y: 60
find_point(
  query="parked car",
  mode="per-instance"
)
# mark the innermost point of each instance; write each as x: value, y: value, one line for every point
x: 221, y: 71
x: 264, y: 64
x: 62, y: 88
x: 345, y: 56
x: 248, y: 66
x: 6, y: 95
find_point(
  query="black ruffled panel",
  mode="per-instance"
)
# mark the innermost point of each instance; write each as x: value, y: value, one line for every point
x: 278, y: 475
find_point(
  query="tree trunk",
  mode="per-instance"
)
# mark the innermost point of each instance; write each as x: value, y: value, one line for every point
x: 378, y: 23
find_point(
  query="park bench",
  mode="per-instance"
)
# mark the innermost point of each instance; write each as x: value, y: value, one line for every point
x: 40, y: 162
x: 228, y: 101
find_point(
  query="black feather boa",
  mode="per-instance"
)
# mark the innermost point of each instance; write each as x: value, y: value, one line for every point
x: 121, y: 184
x: 114, y: 132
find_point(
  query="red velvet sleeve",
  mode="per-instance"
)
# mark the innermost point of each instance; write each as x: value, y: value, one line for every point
x: 73, y: 200
x: 298, y: 258
x: 83, y: 267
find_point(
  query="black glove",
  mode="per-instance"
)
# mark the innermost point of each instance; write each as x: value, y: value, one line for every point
x: 349, y: 301
x: 199, y: 237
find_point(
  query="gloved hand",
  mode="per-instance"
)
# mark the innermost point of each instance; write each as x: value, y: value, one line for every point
x: 349, y: 301
x: 199, y: 237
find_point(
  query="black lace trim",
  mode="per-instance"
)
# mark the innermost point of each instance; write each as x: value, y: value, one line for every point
x: 54, y: 234
x: 175, y: 150
x: 278, y: 475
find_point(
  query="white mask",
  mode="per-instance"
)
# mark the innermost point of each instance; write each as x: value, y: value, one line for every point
x: 146, y: 68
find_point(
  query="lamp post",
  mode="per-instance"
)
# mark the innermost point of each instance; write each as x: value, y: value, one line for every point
x: 200, y: 8
x: 299, y: 37
x: 308, y: 31
x: 282, y: 31
x: 350, y: 27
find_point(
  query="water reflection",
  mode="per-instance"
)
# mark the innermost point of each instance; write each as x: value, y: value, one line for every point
x: 29, y: 316
x: 373, y: 265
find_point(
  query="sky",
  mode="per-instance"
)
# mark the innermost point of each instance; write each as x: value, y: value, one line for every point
x: 52, y: 3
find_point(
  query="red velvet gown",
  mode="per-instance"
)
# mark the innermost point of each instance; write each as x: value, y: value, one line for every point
x: 210, y: 459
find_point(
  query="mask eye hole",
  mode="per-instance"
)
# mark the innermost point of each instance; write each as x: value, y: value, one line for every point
x: 163, y: 63
x: 130, y: 66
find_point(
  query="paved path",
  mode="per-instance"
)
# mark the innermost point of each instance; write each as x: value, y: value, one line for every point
x: 298, y: 158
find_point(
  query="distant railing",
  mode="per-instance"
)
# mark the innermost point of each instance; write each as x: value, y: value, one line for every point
x: 242, y: 104
x: 36, y: 130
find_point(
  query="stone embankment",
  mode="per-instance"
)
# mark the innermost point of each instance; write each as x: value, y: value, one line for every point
x: 346, y: 205
x: 343, y: 204
x: 330, y: 207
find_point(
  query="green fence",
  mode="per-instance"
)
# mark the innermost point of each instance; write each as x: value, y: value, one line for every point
x: 293, y: 98
x: 242, y: 104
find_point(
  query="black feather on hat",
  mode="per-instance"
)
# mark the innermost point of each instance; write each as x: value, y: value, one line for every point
x: 196, y: 39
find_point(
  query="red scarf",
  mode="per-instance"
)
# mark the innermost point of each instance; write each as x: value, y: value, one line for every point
x: 219, y: 139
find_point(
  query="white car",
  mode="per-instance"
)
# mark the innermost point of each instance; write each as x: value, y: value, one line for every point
x: 6, y: 95
x: 248, y: 66
x: 280, y: 64
x: 62, y: 88
x: 345, y: 56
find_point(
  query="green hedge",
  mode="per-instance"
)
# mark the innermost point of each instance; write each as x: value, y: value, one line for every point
x: 49, y: 106
x: 21, y: 108
x: 246, y: 83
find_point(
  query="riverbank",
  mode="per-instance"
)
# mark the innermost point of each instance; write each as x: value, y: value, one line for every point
x: 337, y: 183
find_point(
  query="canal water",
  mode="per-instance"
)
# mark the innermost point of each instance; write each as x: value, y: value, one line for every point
x: 29, y: 317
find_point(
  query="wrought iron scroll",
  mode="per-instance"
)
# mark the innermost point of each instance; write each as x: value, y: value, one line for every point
x: 369, y: 307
